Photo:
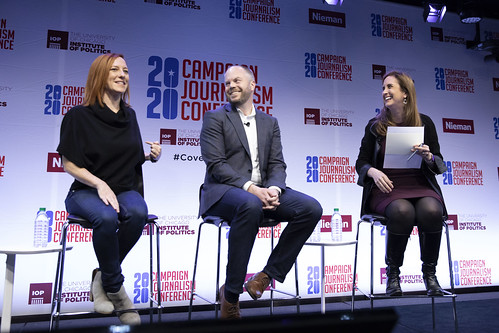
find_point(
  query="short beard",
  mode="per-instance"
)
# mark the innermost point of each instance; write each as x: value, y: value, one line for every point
x: 243, y: 99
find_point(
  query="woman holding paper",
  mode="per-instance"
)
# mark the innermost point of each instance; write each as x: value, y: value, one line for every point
x: 407, y: 197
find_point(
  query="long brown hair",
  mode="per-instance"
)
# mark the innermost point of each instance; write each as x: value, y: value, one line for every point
x: 97, y: 79
x: 411, y: 113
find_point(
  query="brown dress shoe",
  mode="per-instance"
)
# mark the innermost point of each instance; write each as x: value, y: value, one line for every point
x: 228, y: 310
x: 257, y: 284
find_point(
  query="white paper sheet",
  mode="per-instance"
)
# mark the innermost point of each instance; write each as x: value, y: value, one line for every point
x: 399, y: 142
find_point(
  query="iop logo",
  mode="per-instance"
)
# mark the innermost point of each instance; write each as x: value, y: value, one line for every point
x: 39, y: 293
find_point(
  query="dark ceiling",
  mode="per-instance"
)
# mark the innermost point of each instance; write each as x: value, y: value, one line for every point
x: 490, y: 8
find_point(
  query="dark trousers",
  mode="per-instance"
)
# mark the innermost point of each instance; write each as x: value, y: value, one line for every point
x: 114, y: 234
x: 244, y: 212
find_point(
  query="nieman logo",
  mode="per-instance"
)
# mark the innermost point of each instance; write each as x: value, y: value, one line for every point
x: 462, y: 126
x: 54, y: 163
x: 325, y: 17
x: 345, y: 219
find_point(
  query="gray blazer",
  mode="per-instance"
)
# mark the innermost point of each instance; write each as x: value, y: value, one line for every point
x: 225, y: 151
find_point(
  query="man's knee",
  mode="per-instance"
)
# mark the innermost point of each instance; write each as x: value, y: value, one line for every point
x: 252, y: 205
x: 315, y: 209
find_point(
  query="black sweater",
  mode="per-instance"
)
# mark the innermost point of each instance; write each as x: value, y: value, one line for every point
x: 107, y: 144
x: 368, y: 153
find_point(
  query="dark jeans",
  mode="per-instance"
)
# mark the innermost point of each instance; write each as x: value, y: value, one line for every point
x: 114, y: 234
x: 245, y: 213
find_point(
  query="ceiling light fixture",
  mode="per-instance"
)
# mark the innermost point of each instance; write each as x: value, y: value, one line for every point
x: 434, y: 11
x: 333, y: 2
x: 470, y: 12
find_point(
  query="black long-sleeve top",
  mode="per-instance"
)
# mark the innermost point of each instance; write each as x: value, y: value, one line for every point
x: 368, y: 153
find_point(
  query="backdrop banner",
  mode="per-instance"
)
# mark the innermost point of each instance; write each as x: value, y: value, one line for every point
x: 318, y: 70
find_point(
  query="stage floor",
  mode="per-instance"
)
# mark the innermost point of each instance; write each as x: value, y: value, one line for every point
x: 477, y: 312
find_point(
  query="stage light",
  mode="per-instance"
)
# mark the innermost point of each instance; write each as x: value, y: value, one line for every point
x: 333, y: 2
x: 434, y: 12
x: 470, y: 12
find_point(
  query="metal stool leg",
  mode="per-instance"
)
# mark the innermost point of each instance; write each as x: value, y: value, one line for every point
x: 154, y: 229
x: 217, y: 290
x: 216, y: 303
x: 272, y: 282
x: 194, y: 270
x: 451, y: 276
x: 219, y: 222
x: 57, y: 295
x: 54, y: 294
x: 58, y: 283
x: 297, y: 288
x: 355, y: 265
x: 158, y: 270
x: 373, y: 220
x: 151, y: 290
x: 371, y: 290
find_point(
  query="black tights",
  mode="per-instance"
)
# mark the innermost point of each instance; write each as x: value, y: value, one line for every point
x: 404, y: 214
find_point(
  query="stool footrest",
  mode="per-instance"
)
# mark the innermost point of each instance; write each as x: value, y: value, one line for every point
x: 285, y: 293
x: 205, y: 299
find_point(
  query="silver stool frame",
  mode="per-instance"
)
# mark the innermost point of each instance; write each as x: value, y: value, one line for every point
x: 373, y: 220
x: 219, y: 223
x: 55, y: 312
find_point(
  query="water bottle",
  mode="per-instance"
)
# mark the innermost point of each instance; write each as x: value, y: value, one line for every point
x: 315, y: 237
x: 41, y: 229
x: 336, y: 226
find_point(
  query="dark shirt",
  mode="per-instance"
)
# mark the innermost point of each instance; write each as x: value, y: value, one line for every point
x: 107, y: 144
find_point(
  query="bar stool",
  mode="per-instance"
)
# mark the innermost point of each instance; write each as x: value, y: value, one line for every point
x: 374, y: 219
x: 55, y: 313
x: 219, y: 223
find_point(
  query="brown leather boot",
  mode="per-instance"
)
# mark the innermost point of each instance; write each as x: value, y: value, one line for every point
x: 228, y: 310
x: 257, y: 284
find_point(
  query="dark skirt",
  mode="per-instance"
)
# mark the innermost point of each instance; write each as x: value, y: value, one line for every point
x: 407, y: 184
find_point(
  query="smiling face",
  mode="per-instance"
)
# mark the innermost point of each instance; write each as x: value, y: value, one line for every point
x: 393, y: 95
x: 239, y: 86
x: 117, y: 81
